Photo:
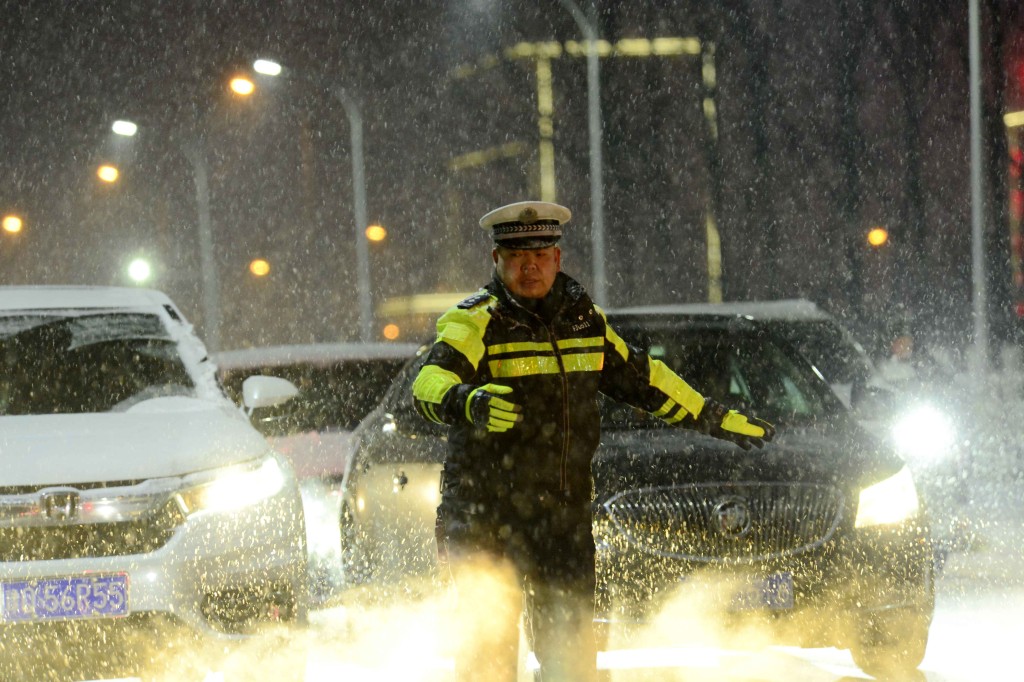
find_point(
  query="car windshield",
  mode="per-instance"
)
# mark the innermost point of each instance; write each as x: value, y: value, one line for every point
x: 743, y: 370
x: 331, y: 396
x: 69, y: 364
x: 824, y: 343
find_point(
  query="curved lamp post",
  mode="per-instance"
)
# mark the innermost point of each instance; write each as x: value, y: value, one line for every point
x: 194, y: 151
x: 588, y: 26
x: 355, y: 120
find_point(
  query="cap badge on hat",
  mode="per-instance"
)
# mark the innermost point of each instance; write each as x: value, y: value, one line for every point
x: 528, y: 215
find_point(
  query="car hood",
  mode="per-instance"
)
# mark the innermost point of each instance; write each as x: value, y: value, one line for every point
x: 167, y: 437
x: 842, y: 455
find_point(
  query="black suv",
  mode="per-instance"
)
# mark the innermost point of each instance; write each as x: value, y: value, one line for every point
x: 820, y: 536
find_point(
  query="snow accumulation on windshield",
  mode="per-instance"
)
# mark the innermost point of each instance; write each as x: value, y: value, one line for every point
x: 96, y: 360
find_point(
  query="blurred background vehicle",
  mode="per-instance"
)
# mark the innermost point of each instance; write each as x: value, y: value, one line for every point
x: 133, y: 495
x: 821, y: 535
x: 338, y: 384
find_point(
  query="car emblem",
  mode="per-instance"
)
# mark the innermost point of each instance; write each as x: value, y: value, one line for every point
x: 60, y: 505
x: 731, y: 516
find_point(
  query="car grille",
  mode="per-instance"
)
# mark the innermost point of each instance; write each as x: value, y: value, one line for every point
x: 723, y: 522
x: 73, y: 541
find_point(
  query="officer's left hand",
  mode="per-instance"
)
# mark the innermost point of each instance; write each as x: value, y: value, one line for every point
x: 715, y: 420
x: 485, y: 409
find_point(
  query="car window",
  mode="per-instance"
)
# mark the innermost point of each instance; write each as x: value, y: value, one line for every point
x: 824, y: 343
x: 744, y: 371
x: 53, y: 364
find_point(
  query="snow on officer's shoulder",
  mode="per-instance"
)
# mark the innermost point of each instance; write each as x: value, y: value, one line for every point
x: 526, y: 224
x: 474, y: 299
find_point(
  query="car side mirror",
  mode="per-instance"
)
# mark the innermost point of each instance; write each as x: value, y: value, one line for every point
x: 262, y: 391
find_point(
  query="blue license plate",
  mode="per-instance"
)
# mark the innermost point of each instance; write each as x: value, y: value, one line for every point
x: 90, y: 596
x: 774, y: 592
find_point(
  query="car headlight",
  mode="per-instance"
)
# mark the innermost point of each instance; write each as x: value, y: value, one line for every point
x: 923, y: 434
x: 890, y: 501
x: 234, y: 487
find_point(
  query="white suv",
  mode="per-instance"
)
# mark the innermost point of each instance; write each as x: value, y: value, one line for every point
x: 131, y: 487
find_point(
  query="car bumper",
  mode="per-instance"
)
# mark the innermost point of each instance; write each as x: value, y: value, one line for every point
x: 827, y: 593
x: 219, y: 573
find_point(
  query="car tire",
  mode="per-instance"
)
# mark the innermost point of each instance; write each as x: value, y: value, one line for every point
x: 892, y: 644
x: 355, y: 566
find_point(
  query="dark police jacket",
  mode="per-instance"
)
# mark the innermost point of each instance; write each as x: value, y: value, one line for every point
x: 556, y: 356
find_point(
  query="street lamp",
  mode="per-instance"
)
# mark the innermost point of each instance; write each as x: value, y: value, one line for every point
x: 139, y: 270
x: 12, y: 224
x: 272, y: 68
x: 194, y: 150
x: 259, y: 267
x: 878, y: 236
x: 108, y: 173
x: 588, y: 26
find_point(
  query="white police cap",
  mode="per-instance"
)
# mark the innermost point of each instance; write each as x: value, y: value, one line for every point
x: 526, y: 224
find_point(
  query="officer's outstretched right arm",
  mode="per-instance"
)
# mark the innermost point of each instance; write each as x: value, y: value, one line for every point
x: 634, y: 377
x: 440, y: 392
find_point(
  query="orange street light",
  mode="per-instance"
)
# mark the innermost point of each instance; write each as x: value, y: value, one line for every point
x: 12, y: 224
x: 107, y: 173
x: 259, y: 267
x: 391, y: 332
x: 242, y: 86
x: 376, y: 233
x: 878, y: 236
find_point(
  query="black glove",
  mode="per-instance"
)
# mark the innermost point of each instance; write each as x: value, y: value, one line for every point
x: 485, y: 409
x: 715, y: 420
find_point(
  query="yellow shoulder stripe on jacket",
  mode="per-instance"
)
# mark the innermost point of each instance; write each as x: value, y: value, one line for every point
x: 463, y: 330
x: 613, y: 338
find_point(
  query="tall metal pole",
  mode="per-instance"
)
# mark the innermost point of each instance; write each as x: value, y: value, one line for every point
x: 588, y: 26
x: 355, y: 121
x: 355, y: 124
x: 980, y: 354
x: 196, y: 153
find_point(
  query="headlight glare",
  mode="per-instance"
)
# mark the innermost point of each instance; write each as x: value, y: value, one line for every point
x: 893, y: 500
x: 923, y: 434
x: 234, y: 488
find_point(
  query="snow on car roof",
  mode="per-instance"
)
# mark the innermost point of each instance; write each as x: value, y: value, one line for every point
x: 68, y: 297
x: 782, y: 309
x: 312, y: 353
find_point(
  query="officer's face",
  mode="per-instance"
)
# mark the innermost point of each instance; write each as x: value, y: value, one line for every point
x: 528, y: 273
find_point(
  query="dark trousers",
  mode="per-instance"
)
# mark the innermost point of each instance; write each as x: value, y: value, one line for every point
x: 504, y: 568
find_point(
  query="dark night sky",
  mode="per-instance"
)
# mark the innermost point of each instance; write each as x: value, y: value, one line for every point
x: 818, y: 106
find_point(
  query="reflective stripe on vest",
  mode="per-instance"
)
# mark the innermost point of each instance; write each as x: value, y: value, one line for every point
x: 530, y: 358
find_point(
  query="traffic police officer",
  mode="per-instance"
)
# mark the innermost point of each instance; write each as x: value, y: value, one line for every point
x: 515, y: 373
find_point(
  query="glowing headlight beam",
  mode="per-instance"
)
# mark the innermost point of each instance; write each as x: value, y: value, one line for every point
x: 235, y: 488
x: 893, y: 500
x: 923, y: 434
